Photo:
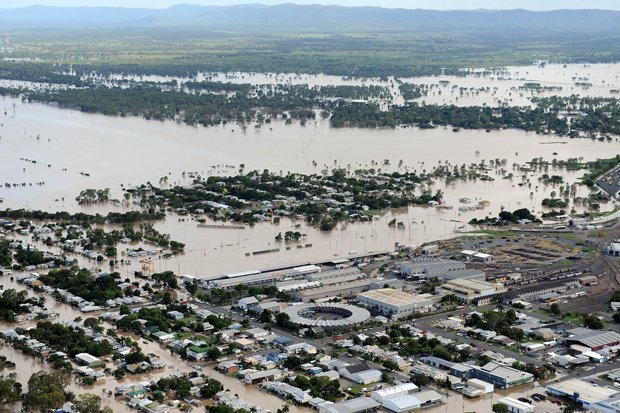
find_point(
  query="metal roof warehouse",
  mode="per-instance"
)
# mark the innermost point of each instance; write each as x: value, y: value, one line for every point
x: 585, y: 393
x: 595, y: 340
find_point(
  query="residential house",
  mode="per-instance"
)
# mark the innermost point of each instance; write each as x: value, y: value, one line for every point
x: 246, y: 302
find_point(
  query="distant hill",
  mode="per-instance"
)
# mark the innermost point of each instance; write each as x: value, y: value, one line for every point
x: 291, y: 17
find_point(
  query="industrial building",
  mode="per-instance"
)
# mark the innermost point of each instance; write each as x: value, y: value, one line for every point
x: 532, y: 292
x: 593, y: 339
x: 387, y: 393
x: 613, y: 249
x: 296, y: 285
x: 395, y: 303
x: 473, y: 291
x: 407, y: 403
x: 430, y: 250
x: 424, y: 267
x: 462, y: 371
x: 346, y: 289
x: 476, y: 387
x: 255, y: 277
x: 249, y: 279
x: 609, y: 405
x: 361, y: 373
x: 516, y: 406
x: 581, y: 392
x: 437, y: 362
x: 296, y: 278
x: 502, y: 376
x: 357, y: 405
x: 549, y: 298
x: 466, y: 274
x: 321, y: 279
x: 468, y: 254
x: 88, y: 360
x: 482, y: 257
x: 428, y: 397
x: 349, y: 273
x: 395, y: 283
x: 588, y: 280
x: 402, y: 404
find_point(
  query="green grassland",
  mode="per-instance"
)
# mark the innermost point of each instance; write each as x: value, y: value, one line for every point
x: 185, y: 50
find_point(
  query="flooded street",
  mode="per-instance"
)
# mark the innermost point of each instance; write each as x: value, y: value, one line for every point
x: 27, y: 365
x: 457, y: 403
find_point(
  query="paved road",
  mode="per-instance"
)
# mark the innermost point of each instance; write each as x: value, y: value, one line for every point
x: 592, y: 372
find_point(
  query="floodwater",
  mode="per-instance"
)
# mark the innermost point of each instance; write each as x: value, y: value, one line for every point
x: 490, y: 87
x: 496, y: 86
x: 501, y: 86
x: 67, y: 144
x: 74, y: 151
x: 456, y: 403
x: 27, y: 365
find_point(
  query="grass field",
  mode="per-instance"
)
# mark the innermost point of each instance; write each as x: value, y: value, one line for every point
x: 177, y: 51
x: 573, y: 318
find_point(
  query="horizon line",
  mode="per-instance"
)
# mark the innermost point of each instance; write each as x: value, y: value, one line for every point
x: 304, y: 5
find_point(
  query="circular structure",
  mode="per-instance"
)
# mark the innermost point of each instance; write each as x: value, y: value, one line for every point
x: 328, y: 315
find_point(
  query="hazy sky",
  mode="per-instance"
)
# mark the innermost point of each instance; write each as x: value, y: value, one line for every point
x: 428, y: 4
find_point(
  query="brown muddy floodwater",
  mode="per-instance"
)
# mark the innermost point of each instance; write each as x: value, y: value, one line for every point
x: 27, y: 365
x: 67, y: 145
x: 129, y: 151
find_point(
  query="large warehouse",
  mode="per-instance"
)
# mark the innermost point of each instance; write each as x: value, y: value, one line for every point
x: 428, y: 268
x: 502, y: 376
x: 473, y: 291
x: 466, y: 274
x: 593, y: 339
x: 395, y: 303
x: 581, y: 392
x: 344, y: 289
